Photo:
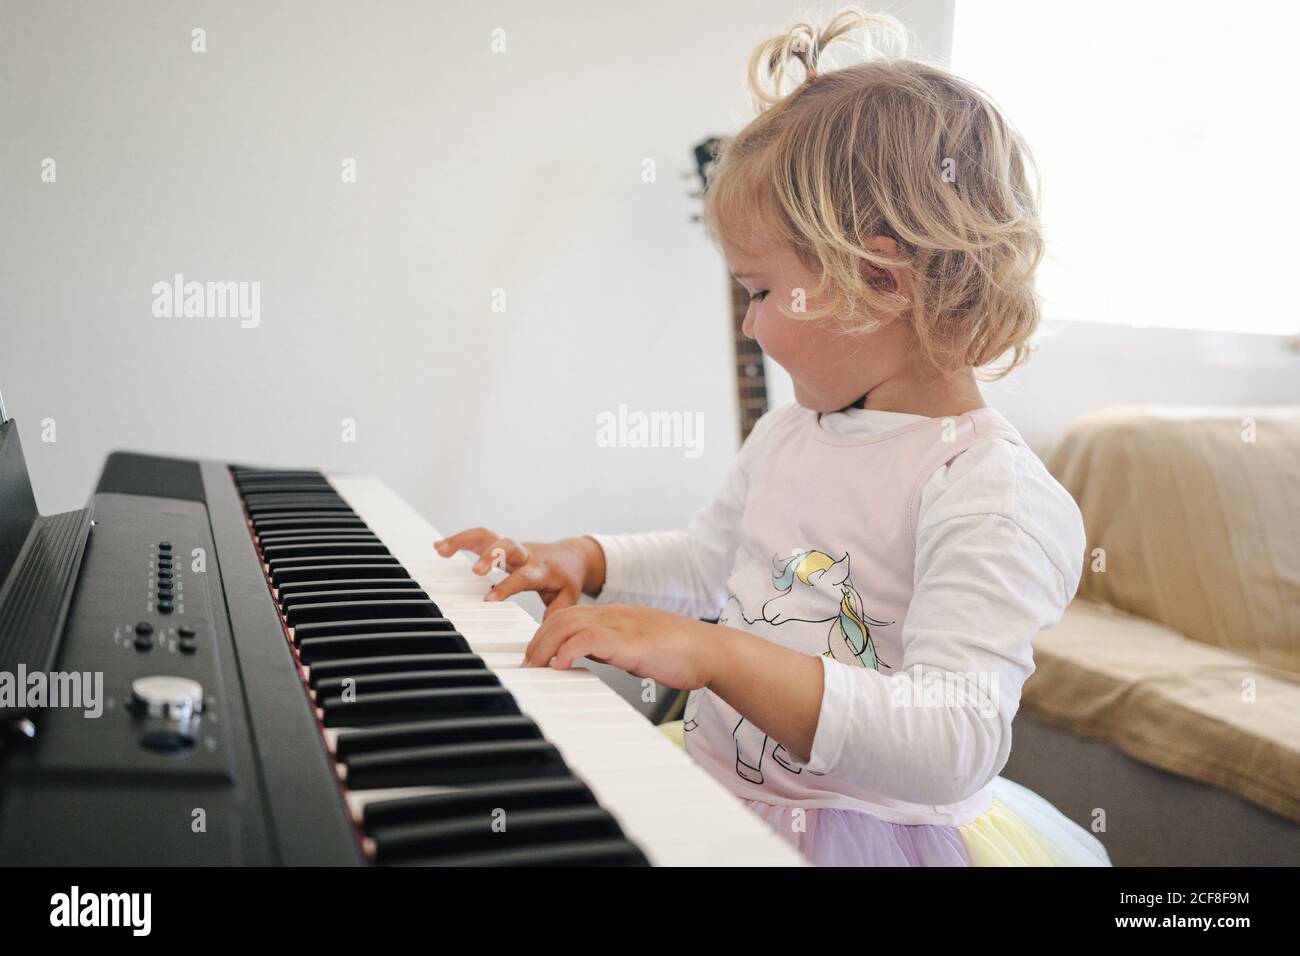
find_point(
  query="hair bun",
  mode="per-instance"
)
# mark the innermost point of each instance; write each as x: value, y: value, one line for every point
x: 768, y: 66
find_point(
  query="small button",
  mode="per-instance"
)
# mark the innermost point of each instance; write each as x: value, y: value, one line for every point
x: 167, y: 741
x: 188, y: 646
x: 164, y: 575
x: 144, y: 643
x: 164, y: 545
x: 165, y: 592
x: 144, y: 628
x: 164, y: 564
x: 164, y: 606
x: 187, y: 630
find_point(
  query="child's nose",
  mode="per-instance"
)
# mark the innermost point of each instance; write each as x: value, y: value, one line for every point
x: 748, y: 325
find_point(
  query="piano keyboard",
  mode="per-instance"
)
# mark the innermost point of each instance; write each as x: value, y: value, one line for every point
x: 447, y: 751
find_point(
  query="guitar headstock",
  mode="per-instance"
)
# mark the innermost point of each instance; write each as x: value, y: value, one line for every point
x: 751, y: 380
x: 706, y: 155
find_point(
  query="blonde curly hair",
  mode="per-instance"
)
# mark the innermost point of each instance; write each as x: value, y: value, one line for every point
x: 888, y: 147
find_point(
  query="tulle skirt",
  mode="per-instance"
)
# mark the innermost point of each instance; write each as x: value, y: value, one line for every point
x: 1019, y: 829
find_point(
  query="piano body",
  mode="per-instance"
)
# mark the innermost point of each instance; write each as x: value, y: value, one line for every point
x: 291, y: 675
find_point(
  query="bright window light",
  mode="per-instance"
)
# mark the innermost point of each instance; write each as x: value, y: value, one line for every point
x: 1166, y: 134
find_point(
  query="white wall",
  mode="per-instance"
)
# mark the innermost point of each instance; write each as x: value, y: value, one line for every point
x: 476, y: 170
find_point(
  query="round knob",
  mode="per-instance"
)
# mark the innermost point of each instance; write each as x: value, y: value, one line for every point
x: 175, y: 698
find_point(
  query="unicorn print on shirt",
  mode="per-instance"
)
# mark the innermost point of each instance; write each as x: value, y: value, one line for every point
x: 849, y: 638
x: 812, y: 588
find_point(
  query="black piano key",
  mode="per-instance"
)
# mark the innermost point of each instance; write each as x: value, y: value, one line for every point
x: 341, y: 612
x: 266, y: 509
x: 451, y: 765
x: 340, y: 585
x: 432, y: 733
x: 322, y: 572
x: 483, y: 832
x: 281, y: 564
x: 323, y: 501
x: 331, y: 689
x: 374, y: 625
x: 284, y: 493
x: 276, y: 480
x: 408, y: 705
x: 613, y: 852
x: 391, y: 664
x: 294, y: 599
x: 310, y: 549
x: 328, y: 536
x: 310, y: 513
x: 311, y: 521
x: 307, y: 536
x: 469, y: 801
x: 246, y: 473
x: 314, y: 650
x: 260, y: 487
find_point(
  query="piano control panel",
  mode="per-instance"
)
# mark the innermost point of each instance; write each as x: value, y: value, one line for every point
x: 147, y: 735
x: 139, y: 619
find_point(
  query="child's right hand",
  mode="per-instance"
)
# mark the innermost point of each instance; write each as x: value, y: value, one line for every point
x: 559, y: 571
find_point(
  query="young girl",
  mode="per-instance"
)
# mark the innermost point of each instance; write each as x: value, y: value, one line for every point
x: 884, y: 548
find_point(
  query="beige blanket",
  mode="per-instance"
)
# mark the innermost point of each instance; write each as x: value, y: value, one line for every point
x: 1195, y: 516
x: 1208, y: 714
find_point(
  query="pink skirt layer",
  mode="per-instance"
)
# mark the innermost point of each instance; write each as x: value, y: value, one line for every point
x: 1020, y: 829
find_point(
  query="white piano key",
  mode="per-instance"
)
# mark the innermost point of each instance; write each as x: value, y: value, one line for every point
x: 672, y: 808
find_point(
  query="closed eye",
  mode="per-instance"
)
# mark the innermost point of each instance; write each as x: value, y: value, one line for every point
x: 758, y: 296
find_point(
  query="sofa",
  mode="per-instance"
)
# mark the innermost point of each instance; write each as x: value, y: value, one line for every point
x: 1164, y: 710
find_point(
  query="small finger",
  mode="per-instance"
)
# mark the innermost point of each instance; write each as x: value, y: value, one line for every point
x: 550, y: 635
x: 471, y: 539
x: 588, y: 642
x: 504, y: 554
x: 527, y: 578
x: 565, y: 598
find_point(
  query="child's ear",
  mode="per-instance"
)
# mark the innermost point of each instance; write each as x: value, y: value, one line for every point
x: 884, y: 279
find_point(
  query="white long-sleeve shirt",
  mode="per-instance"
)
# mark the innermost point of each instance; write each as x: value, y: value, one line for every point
x: 958, y: 546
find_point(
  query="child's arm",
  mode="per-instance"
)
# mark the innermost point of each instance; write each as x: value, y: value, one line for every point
x: 981, y: 594
x: 779, y: 689
x: 999, y: 554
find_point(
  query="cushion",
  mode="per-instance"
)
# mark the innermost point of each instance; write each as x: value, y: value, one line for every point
x: 1197, y: 512
x: 1199, y: 711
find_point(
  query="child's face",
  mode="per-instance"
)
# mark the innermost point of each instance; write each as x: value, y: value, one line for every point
x: 831, y: 369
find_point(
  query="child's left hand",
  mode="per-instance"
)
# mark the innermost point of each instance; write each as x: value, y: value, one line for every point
x: 674, y: 650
